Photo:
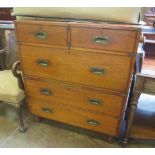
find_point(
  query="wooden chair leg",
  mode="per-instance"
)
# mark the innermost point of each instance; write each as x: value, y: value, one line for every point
x: 132, y: 110
x: 22, y: 128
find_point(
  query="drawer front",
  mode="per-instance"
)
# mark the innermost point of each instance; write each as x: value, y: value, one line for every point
x: 65, y: 114
x: 95, y: 69
x: 43, y: 34
x: 89, y: 99
x: 108, y: 39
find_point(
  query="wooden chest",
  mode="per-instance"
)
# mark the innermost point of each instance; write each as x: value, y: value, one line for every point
x: 78, y: 73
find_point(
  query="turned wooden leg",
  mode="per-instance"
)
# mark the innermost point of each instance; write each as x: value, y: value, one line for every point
x: 22, y: 128
x: 132, y: 110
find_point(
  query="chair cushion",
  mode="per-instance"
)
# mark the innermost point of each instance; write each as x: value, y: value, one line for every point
x: 115, y: 14
x: 9, y: 90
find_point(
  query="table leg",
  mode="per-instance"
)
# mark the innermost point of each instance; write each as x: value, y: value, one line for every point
x: 132, y: 110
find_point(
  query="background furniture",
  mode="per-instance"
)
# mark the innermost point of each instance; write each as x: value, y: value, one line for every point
x: 11, y: 84
x: 5, y: 14
x: 149, y: 34
x: 141, y: 125
x: 7, y: 44
x: 149, y: 16
x: 149, y: 31
x: 2, y: 56
x: 78, y: 73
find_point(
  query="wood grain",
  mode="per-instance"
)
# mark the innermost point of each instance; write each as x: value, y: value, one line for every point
x: 119, y: 40
x: 76, y: 96
x: 55, y: 35
x: 70, y: 70
x: 62, y: 113
x: 76, y: 67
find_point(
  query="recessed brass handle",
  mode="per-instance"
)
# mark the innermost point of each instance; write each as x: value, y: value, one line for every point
x: 95, y: 101
x: 101, y: 40
x: 40, y: 35
x: 93, y: 122
x: 43, y: 63
x: 45, y: 91
x: 47, y: 110
x: 98, y: 71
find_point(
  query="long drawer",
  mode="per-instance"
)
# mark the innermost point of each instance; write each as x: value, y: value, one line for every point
x: 73, y: 116
x: 85, y: 67
x: 107, y: 39
x: 42, y: 33
x: 89, y: 99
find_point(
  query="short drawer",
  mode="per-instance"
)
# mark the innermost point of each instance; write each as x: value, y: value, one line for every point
x: 73, y: 116
x: 42, y: 34
x: 94, y: 69
x: 87, y: 98
x: 108, y: 39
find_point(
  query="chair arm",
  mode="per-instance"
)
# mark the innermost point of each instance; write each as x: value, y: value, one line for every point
x: 17, y: 74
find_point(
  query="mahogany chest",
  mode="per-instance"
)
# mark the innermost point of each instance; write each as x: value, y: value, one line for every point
x: 78, y: 73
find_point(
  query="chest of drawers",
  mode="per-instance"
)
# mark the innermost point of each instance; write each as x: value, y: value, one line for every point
x: 78, y: 73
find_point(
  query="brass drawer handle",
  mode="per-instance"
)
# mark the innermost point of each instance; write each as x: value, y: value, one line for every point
x: 93, y: 122
x: 43, y: 63
x: 101, y: 40
x: 95, y: 101
x: 45, y: 91
x: 40, y: 35
x: 98, y: 71
x: 46, y: 110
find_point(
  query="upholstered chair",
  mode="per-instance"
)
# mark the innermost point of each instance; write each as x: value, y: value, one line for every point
x: 11, y: 83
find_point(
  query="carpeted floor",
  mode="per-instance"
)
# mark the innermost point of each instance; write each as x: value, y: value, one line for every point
x: 49, y: 134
